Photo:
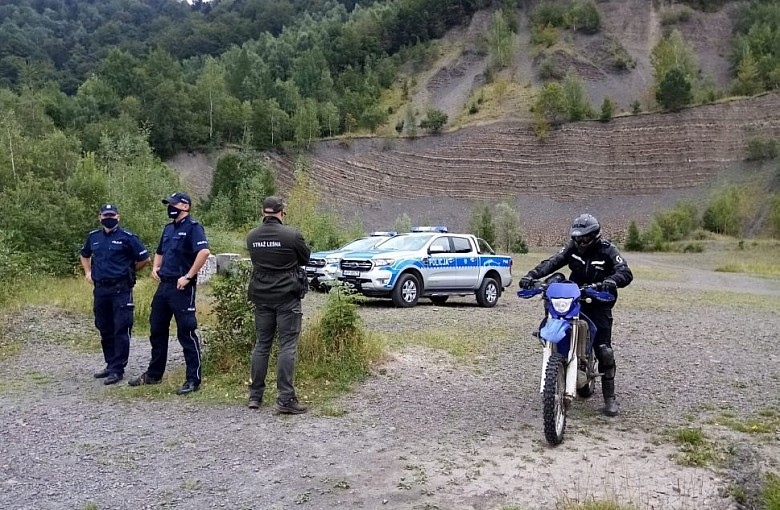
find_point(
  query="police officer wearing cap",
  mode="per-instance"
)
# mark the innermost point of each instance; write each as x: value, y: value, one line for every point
x: 276, y: 287
x: 110, y: 257
x: 182, y: 251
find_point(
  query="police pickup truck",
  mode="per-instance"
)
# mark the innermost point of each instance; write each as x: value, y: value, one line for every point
x: 433, y: 264
x: 323, y: 266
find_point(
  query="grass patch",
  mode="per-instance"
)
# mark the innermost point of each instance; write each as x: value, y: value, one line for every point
x: 771, y: 492
x: 75, y: 295
x: 695, y: 448
x: 9, y: 349
x: 332, y: 410
x: 491, y: 101
x: 463, y: 345
x: 766, y: 421
x: 215, y: 389
x: 756, y: 258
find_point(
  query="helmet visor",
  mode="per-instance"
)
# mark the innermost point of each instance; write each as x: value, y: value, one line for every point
x: 584, y: 241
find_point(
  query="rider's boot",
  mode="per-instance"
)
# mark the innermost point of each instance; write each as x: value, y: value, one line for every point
x: 610, y: 403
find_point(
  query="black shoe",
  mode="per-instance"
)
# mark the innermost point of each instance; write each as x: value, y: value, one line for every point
x: 112, y: 379
x: 188, y: 387
x: 611, y: 408
x: 143, y: 379
x: 103, y: 373
x: 290, y: 407
x: 253, y: 403
x: 610, y: 403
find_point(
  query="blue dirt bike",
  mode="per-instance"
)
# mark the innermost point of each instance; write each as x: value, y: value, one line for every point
x: 568, y: 360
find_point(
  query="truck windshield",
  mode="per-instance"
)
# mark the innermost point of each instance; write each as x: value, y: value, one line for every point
x: 406, y: 242
x: 365, y: 243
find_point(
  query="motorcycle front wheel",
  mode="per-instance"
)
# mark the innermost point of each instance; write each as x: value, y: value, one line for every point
x: 553, y: 399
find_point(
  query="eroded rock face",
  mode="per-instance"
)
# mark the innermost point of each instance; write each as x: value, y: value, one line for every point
x: 642, y: 161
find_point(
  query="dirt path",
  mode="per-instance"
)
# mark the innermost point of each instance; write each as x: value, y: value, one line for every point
x: 426, y: 431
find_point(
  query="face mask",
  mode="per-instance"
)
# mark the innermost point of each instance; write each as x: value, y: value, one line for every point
x: 173, y: 212
x: 109, y: 222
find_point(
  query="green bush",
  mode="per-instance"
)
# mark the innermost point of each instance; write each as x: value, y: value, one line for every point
x: 229, y: 342
x: 434, y: 120
x: 759, y: 149
x: 675, y: 14
x: 544, y: 35
x: 607, y: 110
x: 548, y: 13
x: 584, y: 16
x: 677, y: 223
x: 725, y: 213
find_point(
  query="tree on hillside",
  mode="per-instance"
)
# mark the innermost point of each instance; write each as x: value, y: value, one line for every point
x: 674, y: 91
x: 607, y: 110
x: 634, y: 238
x: 434, y: 120
x: 577, y: 103
x: 481, y: 223
x: 508, y: 235
x: 748, y: 80
x: 551, y: 103
x: 673, y: 52
x: 501, y: 39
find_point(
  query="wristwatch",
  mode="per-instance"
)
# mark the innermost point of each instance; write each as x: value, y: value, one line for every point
x: 187, y: 277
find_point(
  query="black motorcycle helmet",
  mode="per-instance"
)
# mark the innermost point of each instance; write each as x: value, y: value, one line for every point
x: 585, y: 230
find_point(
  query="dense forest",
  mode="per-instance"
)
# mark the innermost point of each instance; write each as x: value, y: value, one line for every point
x: 93, y: 93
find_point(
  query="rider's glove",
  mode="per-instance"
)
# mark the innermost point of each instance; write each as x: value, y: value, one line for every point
x: 526, y: 282
x: 610, y: 286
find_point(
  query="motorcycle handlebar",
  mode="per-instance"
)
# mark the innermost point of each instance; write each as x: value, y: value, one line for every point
x: 591, y: 290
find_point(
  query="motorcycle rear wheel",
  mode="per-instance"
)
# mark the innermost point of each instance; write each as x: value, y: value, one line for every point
x: 553, y: 400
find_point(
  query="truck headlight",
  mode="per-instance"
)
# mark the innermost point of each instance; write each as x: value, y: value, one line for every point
x: 383, y: 262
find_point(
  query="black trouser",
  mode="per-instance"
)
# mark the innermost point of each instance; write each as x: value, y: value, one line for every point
x: 602, y: 319
x: 287, y: 318
x: 169, y: 302
x: 113, y: 307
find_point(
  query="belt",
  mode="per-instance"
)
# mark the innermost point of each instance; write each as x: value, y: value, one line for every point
x: 112, y: 283
x: 174, y: 279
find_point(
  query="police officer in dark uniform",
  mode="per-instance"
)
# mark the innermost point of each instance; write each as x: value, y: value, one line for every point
x: 592, y: 259
x: 182, y: 251
x: 276, y: 288
x: 110, y: 257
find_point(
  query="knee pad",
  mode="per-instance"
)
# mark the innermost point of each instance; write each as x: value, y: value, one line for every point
x: 606, y: 357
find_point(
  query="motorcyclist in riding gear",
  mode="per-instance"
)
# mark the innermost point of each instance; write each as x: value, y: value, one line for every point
x: 592, y: 259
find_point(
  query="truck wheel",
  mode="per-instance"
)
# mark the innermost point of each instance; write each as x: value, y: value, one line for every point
x: 439, y: 300
x: 488, y: 292
x: 406, y: 291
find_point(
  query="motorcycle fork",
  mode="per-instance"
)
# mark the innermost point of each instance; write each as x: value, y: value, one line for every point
x: 572, y: 364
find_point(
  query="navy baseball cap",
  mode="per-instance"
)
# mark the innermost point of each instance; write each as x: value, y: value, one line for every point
x: 108, y: 209
x: 177, y: 198
x: 273, y: 205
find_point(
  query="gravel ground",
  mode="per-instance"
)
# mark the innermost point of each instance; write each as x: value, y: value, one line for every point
x: 427, y: 430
